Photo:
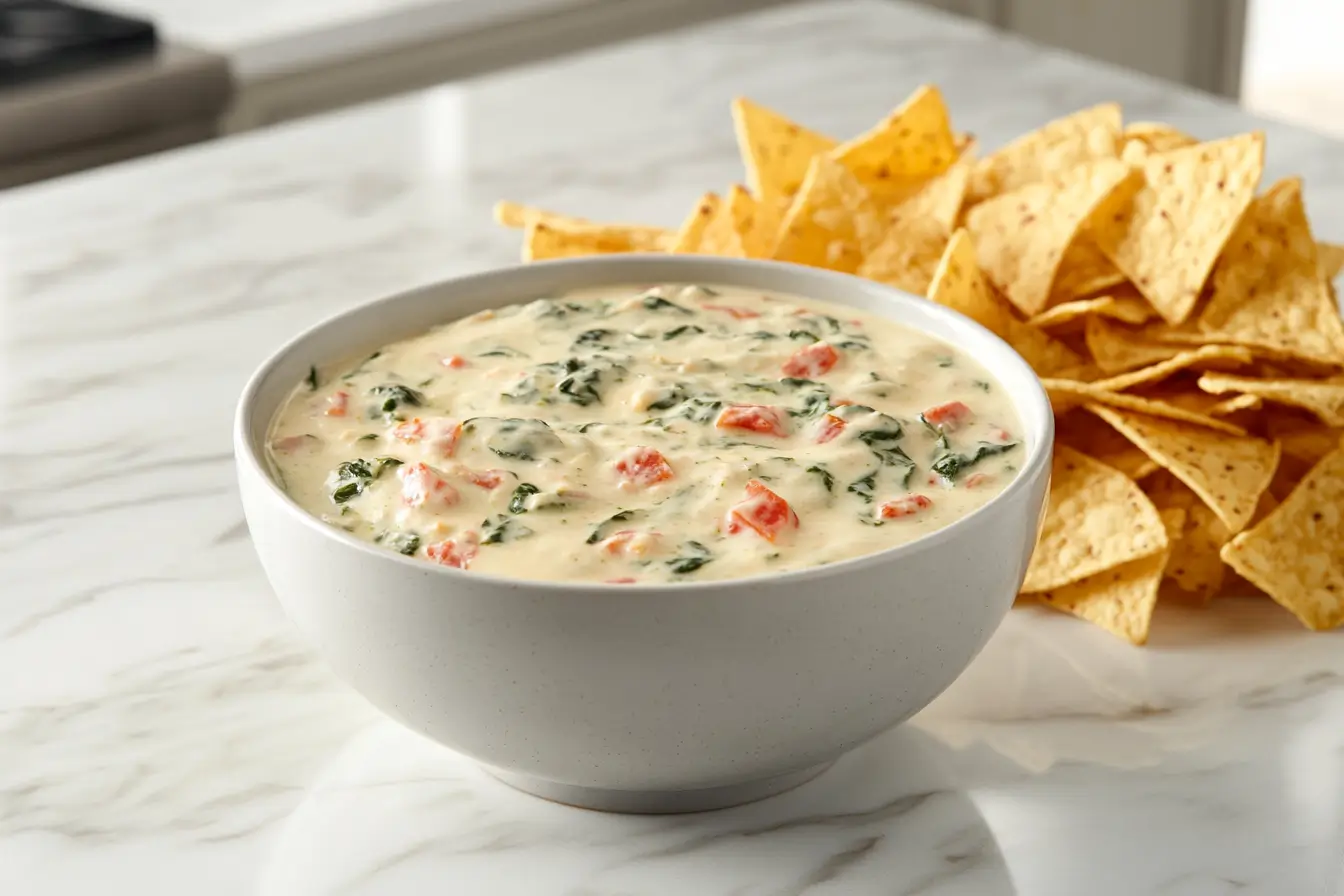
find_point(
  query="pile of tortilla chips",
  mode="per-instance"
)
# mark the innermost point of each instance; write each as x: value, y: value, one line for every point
x: 1179, y: 312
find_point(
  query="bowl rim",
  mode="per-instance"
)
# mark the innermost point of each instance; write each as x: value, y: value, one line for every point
x: 1038, y: 455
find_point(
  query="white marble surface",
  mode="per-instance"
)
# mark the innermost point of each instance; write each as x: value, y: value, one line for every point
x: 162, y: 731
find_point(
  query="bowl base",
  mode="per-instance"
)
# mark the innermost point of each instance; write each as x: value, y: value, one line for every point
x: 658, y: 802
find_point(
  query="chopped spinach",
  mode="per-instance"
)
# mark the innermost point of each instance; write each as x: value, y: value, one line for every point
x: 804, y: 336
x: 402, y: 542
x: 698, y: 410
x: 581, y: 388
x: 549, y: 308
x: 682, y: 331
x: 865, y: 487
x: 951, y: 465
x: 981, y: 385
x: 827, y: 479
x: 814, y: 404
x: 353, y: 476
x: 516, y: 438
x: 858, y: 344
x: 501, y: 529
x: 669, y: 398
x: 518, y: 503
x: 311, y: 379
x: 762, y: 334
x: 655, y: 302
x: 694, y: 555
x: 397, y: 395
x: 706, y: 291
x: 603, y: 529
x: 939, y: 437
x: 594, y: 337
x: 945, y: 360
x: 502, y: 351
x: 368, y: 437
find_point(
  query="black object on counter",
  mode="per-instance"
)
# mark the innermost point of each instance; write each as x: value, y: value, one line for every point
x: 41, y: 39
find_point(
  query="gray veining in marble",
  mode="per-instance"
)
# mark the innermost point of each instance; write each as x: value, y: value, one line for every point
x: 162, y: 731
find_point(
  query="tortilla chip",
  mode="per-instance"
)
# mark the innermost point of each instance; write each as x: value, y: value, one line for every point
x: 1218, y: 356
x: 1194, y: 566
x: 1268, y: 288
x: 692, y: 230
x: 1124, y: 309
x: 1120, y: 600
x: 542, y: 240
x: 1099, y: 441
x: 775, y: 151
x: 833, y: 222
x: 1296, y: 554
x: 1021, y: 236
x: 639, y: 237
x: 1227, y: 472
x: 1324, y: 399
x: 958, y: 284
x: 1068, y: 394
x: 1084, y: 270
x: 908, y: 256
x: 1303, y: 439
x: 1156, y: 136
x: 941, y: 198
x: 1168, y: 239
x: 1331, y: 259
x: 1081, y: 137
x: 1117, y: 349
x: 1097, y: 519
x: 911, y: 144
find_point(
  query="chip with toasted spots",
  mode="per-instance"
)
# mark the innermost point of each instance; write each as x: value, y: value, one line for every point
x: 693, y: 229
x: 1085, y: 135
x: 775, y: 151
x: 1119, y: 600
x: 833, y: 221
x: 543, y: 240
x: 1204, y: 357
x: 1331, y: 259
x: 1323, y: 398
x: 1098, y: 440
x: 1296, y: 554
x: 1125, y: 309
x: 1068, y: 394
x: 1116, y: 349
x: 939, y: 199
x: 908, y: 255
x: 911, y: 144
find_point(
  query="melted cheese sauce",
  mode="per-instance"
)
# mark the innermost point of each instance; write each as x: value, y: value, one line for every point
x: 672, y: 434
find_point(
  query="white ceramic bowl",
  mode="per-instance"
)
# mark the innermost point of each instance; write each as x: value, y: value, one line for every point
x: 645, y: 698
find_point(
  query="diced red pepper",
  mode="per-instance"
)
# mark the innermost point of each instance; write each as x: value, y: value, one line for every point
x: 841, y: 403
x: 337, y: 404
x: 439, y: 433
x: 976, y: 479
x: 484, y: 478
x: 764, y: 512
x: 410, y: 431
x: 622, y: 581
x: 733, y: 311
x: 812, y: 360
x: 645, y: 466
x: 422, y: 485
x: 628, y: 541
x: 999, y: 434
x: 948, y: 417
x: 457, y: 552
x: 753, y: 418
x: 454, y: 362
x: 829, y: 427
x: 906, y: 506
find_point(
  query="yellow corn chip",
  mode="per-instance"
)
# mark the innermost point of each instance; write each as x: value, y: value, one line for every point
x: 912, y: 143
x: 1217, y: 356
x: 1116, y: 349
x: 543, y: 240
x: 1202, y: 402
x: 1097, y: 519
x: 1085, y: 269
x: 1302, y: 439
x: 958, y: 284
x: 1296, y: 554
x: 1268, y: 288
x: 693, y: 228
x: 833, y: 222
x: 1324, y: 399
x: 1168, y: 239
x: 1081, y: 137
x: 775, y: 151
x: 1194, y: 567
x: 1119, y: 600
x: 639, y: 237
x: 1095, y: 438
x: 1331, y: 259
x: 940, y: 198
x: 1021, y: 236
x: 908, y: 255
x: 1068, y: 394
x: 1158, y: 137
x: 1227, y: 472
x: 1125, y: 309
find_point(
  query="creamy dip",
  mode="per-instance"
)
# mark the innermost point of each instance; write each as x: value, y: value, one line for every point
x: 631, y: 435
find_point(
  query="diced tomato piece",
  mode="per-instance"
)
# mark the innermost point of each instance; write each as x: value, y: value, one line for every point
x: 484, y: 478
x: 842, y: 403
x: 999, y: 434
x: 623, y: 581
x: 948, y: 417
x: 753, y: 418
x: 976, y: 479
x: 645, y: 466
x: 439, y: 433
x: 457, y: 552
x: 337, y: 404
x: 454, y: 362
x: 628, y: 541
x: 764, y: 512
x: 812, y: 360
x: 829, y: 427
x: 421, y: 485
x: 733, y: 311
x: 906, y: 506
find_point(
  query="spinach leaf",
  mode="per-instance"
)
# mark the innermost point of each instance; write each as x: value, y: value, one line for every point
x: 939, y: 437
x: 402, y: 542
x: 502, y: 351
x: 865, y: 487
x: 594, y: 337
x: 682, y: 331
x: 952, y: 465
x: 603, y: 529
x: 804, y: 336
x: 311, y: 379
x: 694, y: 555
x: 359, y: 368
x: 397, y: 395
x: 669, y: 397
x: 518, y: 503
x: 827, y: 479
x: 501, y: 529
x: 698, y: 410
x: 655, y: 302
x: 762, y: 334
x: 516, y: 438
x: 352, y: 477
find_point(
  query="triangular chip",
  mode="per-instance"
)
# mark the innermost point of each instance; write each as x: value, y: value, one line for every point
x: 1157, y: 137
x: 1194, y: 570
x: 959, y: 285
x: 833, y: 222
x: 1085, y: 135
x: 1084, y: 270
x: 543, y: 240
x: 731, y: 229
x: 911, y: 144
x: 1119, y: 600
x: 1216, y: 356
x: 1097, y: 519
x: 693, y: 228
x: 1065, y: 395
x: 1296, y: 554
x: 637, y: 237
x: 940, y: 198
x: 1173, y: 231
x: 1117, y: 349
x: 1095, y: 438
x: 908, y: 255
x: 1021, y: 236
x: 775, y: 150
x: 1123, y: 308
x: 1322, y: 398
x: 1302, y: 439
x: 1227, y: 472
x: 1331, y: 259
x: 1268, y: 289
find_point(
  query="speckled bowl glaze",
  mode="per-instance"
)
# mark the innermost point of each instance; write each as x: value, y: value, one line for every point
x: 645, y: 698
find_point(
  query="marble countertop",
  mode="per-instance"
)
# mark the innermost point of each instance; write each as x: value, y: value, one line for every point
x: 162, y: 729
